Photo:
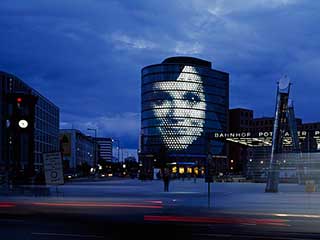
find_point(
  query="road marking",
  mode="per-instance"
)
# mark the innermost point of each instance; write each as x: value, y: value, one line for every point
x: 67, y: 235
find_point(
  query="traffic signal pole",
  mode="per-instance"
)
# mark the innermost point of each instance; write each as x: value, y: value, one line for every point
x: 209, y: 168
x: 20, y: 137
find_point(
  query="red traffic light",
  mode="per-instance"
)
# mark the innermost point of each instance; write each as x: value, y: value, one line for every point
x: 19, y: 100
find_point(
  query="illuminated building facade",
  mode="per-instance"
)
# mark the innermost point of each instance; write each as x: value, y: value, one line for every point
x: 249, y: 153
x: 183, y: 98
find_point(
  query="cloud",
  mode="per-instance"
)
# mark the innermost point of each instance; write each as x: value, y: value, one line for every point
x: 188, y: 48
x: 122, y: 40
x: 125, y: 125
x: 221, y: 8
x: 86, y: 56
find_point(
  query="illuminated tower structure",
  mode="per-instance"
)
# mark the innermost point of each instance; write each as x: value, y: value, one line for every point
x: 284, y: 116
x: 183, y: 98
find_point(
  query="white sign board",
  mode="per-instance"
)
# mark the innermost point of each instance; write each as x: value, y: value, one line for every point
x: 53, y: 168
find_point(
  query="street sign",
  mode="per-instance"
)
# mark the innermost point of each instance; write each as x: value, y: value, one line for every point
x: 53, y: 168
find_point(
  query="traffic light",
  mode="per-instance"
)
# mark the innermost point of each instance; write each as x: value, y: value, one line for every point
x: 20, y: 119
x: 21, y: 116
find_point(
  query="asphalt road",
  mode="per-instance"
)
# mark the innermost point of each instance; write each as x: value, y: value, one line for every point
x: 135, y: 210
x: 106, y: 220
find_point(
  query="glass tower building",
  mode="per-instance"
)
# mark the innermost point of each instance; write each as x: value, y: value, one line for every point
x: 183, y: 99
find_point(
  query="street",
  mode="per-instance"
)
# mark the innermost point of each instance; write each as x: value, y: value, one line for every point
x: 121, y: 208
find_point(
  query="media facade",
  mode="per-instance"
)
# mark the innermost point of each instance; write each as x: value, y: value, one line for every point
x: 183, y: 98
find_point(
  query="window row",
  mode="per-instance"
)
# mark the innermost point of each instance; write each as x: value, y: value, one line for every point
x: 180, y: 67
x: 162, y: 113
x: 185, y: 77
x: 181, y: 131
x: 43, y: 148
x: 155, y: 95
x: 51, y: 118
x: 170, y: 107
x: 43, y: 126
x: 47, y: 138
x: 171, y: 86
x: 187, y: 150
x: 46, y: 105
x: 183, y: 122
x: 202, y: 141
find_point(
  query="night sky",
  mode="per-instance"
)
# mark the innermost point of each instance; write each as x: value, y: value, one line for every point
x: 86, y: 55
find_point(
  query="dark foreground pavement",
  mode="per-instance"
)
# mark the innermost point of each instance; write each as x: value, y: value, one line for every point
x: 141, y: 210
x: 96, y: 220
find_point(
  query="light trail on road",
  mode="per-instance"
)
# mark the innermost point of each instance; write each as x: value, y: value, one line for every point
x: 93, y: 204
x: 218, y: 220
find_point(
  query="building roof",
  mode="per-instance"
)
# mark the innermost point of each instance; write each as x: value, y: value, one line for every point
x: 187, y: 60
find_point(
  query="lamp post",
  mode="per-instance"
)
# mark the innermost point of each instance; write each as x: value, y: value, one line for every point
x: 118, y: 141
x: 94, y: 146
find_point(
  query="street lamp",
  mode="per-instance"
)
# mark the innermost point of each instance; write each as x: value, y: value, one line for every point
x: 94, y: 145
x: 118, y: 141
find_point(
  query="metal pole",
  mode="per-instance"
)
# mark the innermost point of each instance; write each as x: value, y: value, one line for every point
x: 121, y: 155
x: 118, y: 150
x: 95, y: 147
x: 118, y: 146
x: 208, y: 194
x: 308, y: 158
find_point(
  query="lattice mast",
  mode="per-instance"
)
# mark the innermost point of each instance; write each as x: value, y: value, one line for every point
x: 279, y: 128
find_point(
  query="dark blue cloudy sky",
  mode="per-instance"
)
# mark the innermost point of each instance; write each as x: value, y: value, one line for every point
x: 86, y: 55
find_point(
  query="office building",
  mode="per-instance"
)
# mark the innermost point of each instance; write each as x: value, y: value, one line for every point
x: 104, y: 149
x: 29, y: 126
x: 240, y: 120
x: 77, y: 149
x: 183, y: 99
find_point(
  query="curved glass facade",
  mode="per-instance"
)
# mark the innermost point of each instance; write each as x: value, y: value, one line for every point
x: 180, y: 103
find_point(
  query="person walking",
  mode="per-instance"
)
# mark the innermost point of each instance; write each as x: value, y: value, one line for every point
x: 166, y: 179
